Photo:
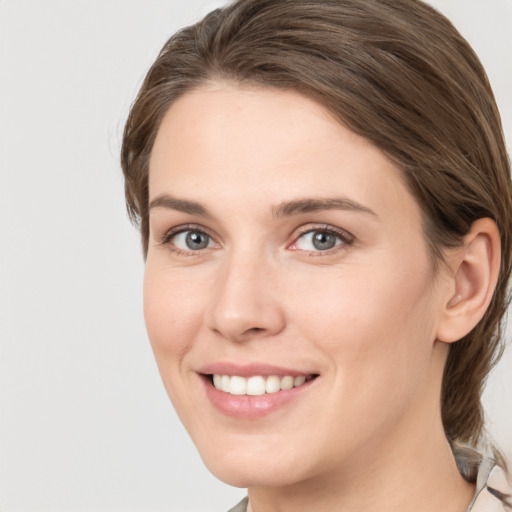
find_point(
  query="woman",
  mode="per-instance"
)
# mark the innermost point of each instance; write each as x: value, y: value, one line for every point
x: 324, y: 200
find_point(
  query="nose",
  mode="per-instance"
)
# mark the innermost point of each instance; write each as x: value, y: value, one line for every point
x: 244, y: 304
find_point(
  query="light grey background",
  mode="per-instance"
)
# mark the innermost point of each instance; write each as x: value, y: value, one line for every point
x: 85, y: 424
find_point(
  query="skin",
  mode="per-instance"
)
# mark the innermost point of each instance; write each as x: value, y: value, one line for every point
x: 367, y: 315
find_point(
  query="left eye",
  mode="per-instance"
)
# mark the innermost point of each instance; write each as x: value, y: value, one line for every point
x: 192, y: 240
x: 319, y: 240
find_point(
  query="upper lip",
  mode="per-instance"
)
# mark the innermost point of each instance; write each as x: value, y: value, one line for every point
x: 250, y: 370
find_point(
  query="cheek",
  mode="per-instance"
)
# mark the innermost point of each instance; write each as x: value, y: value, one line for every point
x: 172, y: 311
x: 376, y: 330
x: 173, y: 315
x: 372, y: 323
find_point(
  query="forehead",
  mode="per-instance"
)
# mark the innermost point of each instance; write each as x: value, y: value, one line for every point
x: 233, y: 122
x: 232, y: 143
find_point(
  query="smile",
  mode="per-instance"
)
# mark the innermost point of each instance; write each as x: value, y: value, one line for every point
x: 257, y: 385
x: 252, y: 391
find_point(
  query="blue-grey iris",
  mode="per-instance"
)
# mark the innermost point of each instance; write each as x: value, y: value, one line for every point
x: 323, y: 241
x: 196, y: 240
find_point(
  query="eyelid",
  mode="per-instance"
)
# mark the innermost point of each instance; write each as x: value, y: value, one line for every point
x: 346, y: 237
x: 166, y: 238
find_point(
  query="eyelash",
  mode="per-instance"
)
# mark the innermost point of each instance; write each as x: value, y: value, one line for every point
x: 166, y: 239
x: 346, y: 238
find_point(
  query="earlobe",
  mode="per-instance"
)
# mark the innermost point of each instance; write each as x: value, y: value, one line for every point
x: 475, y: 274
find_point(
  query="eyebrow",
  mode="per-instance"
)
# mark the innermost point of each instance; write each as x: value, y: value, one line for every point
x: 312, y: 205
x: 181, y: 205
x: 285, y: 209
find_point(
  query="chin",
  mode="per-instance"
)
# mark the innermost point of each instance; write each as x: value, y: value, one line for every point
x: 245, y: 467
x: 251, y: 475
x: 237, y: 478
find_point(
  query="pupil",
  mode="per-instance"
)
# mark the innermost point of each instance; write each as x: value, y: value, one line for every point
x: 323, y: 241
x: 196, y: 240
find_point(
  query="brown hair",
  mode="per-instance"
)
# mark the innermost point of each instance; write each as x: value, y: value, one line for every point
x: 394, y: 71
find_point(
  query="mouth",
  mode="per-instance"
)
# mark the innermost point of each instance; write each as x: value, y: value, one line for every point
x: 257, y: 385
x: 249, y: 392
x: 255, y: 390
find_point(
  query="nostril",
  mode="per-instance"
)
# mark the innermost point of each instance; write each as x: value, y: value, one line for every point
x: 253, y: 331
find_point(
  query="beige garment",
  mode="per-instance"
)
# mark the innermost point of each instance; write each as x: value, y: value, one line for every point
x: 492, y: 490
x: 241, y: 507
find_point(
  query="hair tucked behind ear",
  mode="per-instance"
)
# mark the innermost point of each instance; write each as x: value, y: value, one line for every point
x: 394, y: 71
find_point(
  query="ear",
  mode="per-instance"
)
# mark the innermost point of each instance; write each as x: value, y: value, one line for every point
x: 475, y: 268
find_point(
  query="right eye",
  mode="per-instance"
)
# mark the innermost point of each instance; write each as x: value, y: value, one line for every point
x: 191, y: 240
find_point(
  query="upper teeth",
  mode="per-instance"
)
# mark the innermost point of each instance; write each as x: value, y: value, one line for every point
x: 256, y: 385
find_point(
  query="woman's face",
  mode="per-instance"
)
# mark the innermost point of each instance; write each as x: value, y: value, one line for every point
x: 286, y: 251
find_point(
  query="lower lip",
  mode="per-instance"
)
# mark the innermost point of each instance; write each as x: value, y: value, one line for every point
x: 252, y: 407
